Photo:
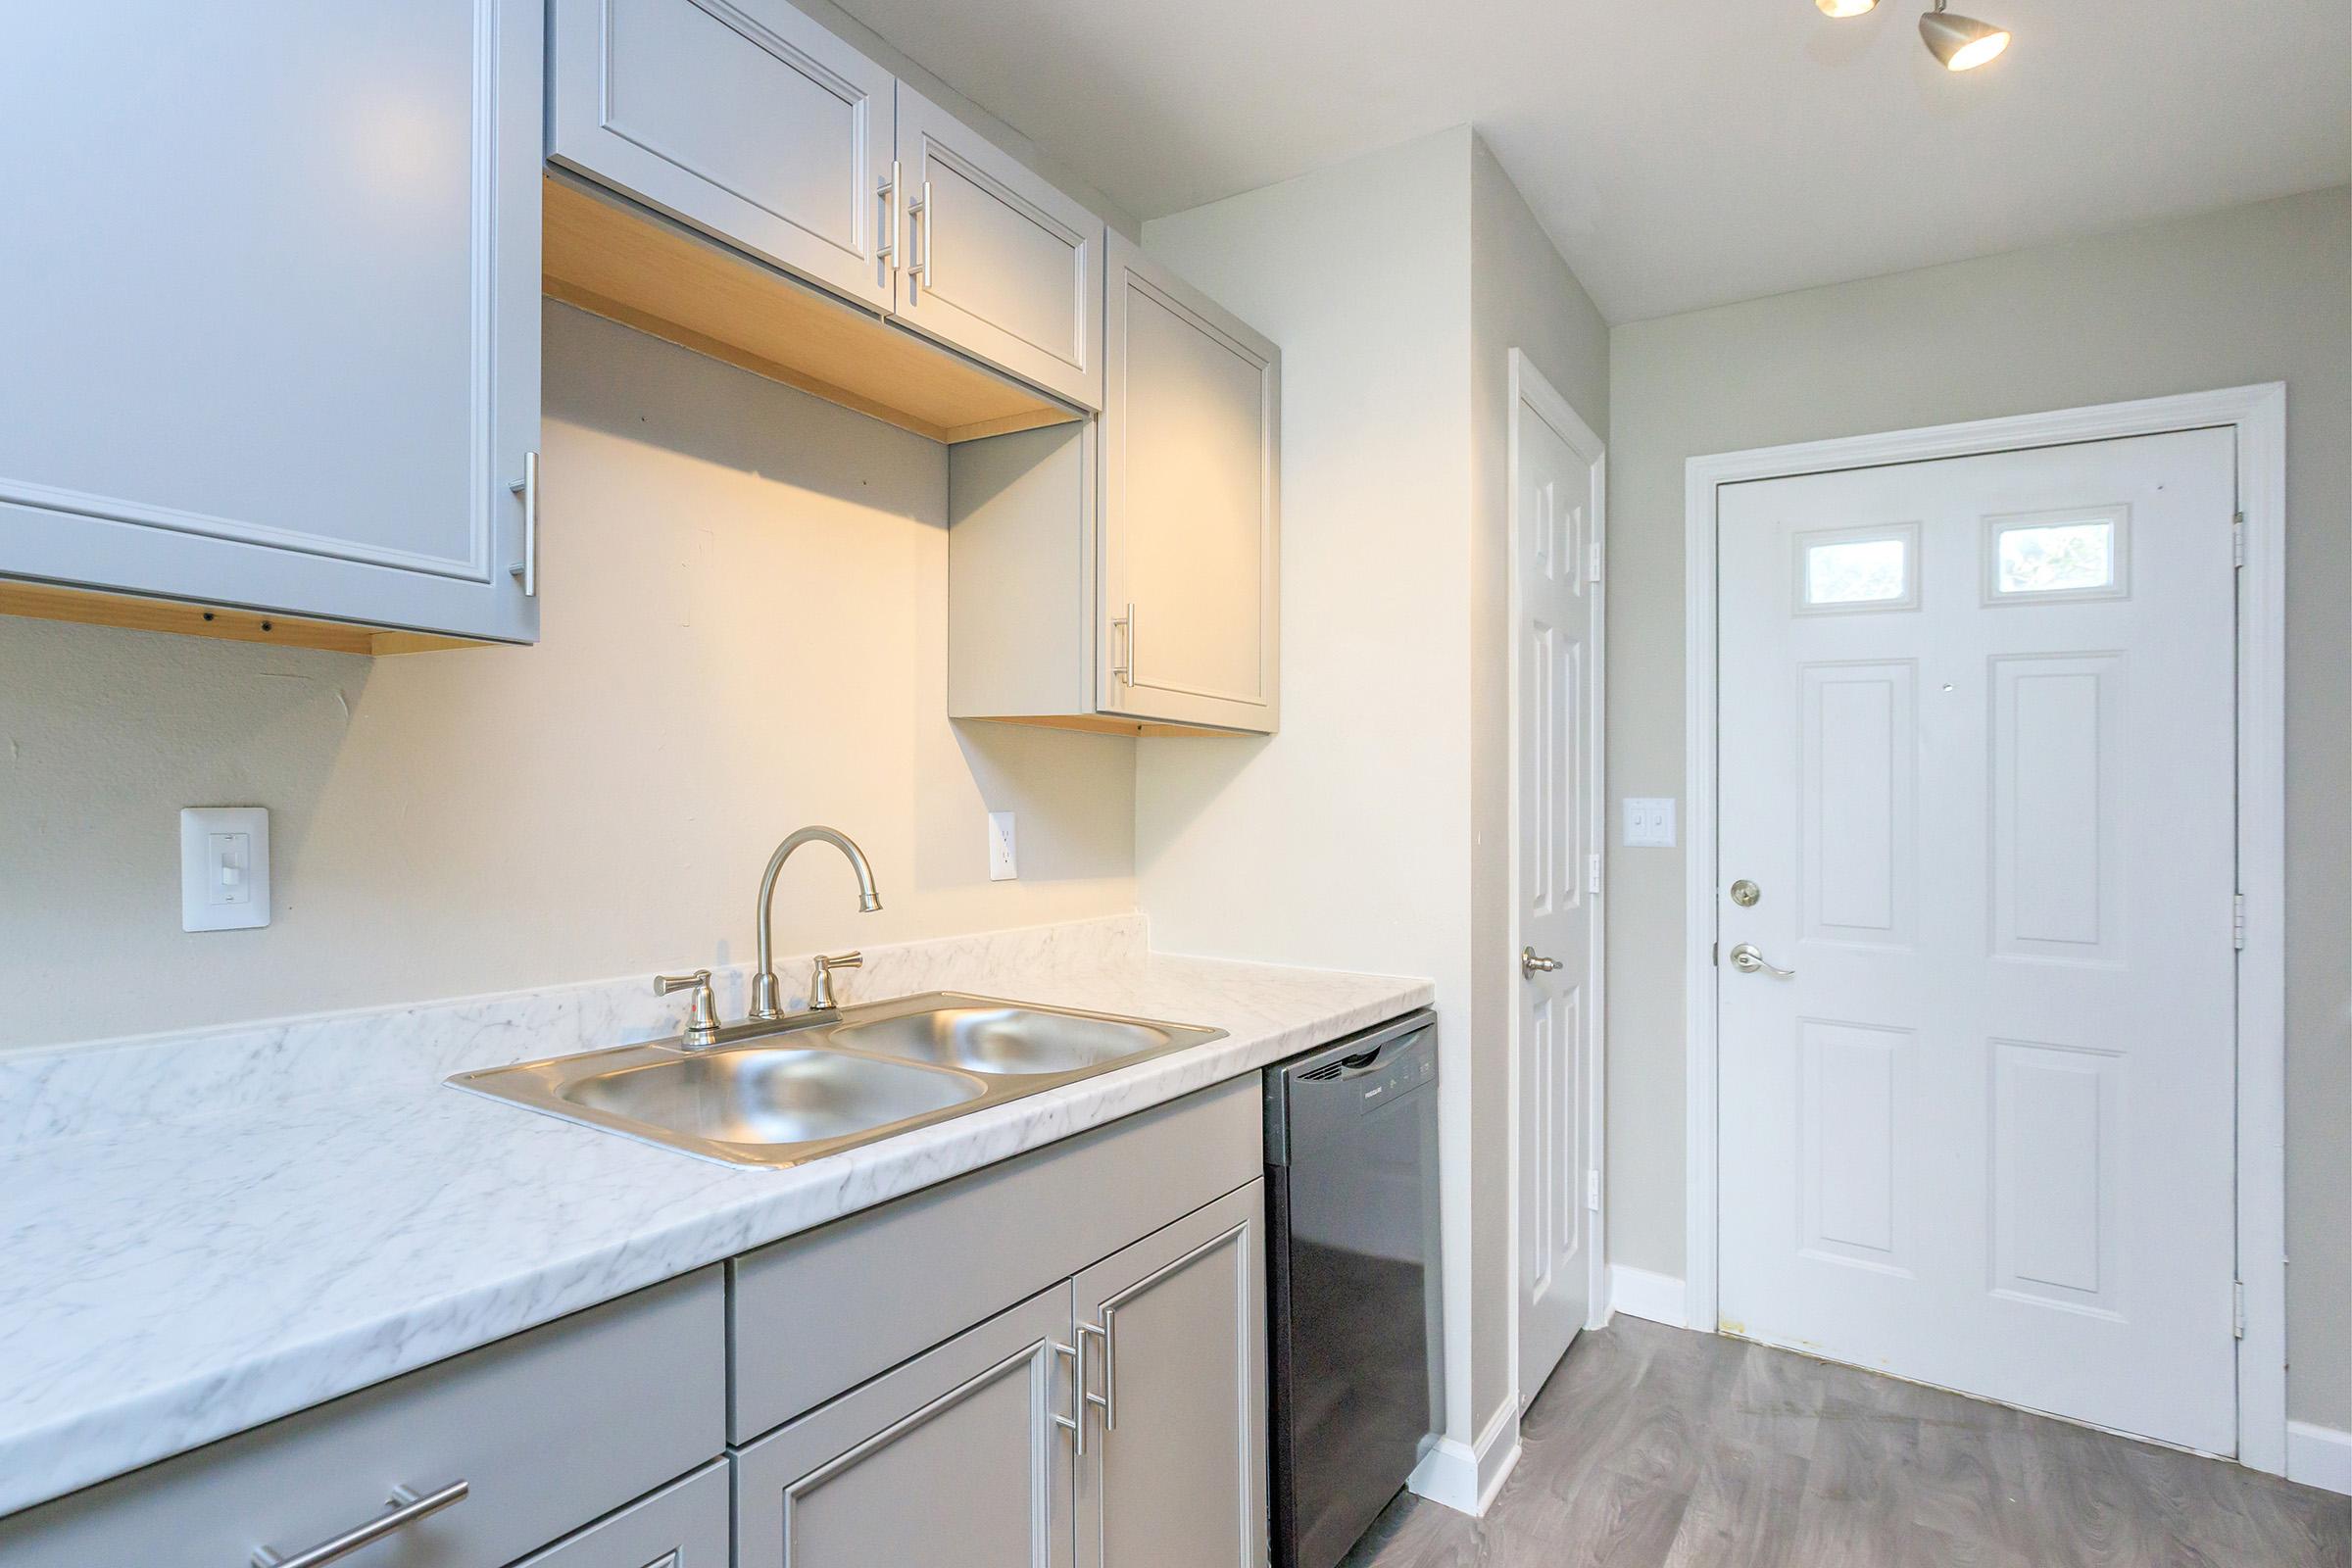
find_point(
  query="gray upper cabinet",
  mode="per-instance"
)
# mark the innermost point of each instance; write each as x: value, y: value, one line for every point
x: 1191, y: 530
x: 742, y: 118
x: 1126, y: 576
x: 750, y: 123
x: 1175, y: 1468
x: 997, y: 262
x: 274, y: 339
x: 954, y: 1458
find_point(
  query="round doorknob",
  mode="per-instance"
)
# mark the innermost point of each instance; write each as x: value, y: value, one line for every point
x: 1747, y: 958
x: 1533, y: 963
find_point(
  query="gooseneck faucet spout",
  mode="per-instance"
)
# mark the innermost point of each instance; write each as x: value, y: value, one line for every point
x: 763, y: 983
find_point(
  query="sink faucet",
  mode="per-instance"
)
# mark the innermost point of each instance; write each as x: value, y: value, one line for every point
x: 764, y: 982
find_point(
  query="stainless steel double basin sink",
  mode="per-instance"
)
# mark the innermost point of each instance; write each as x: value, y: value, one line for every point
x: 786, y: 1093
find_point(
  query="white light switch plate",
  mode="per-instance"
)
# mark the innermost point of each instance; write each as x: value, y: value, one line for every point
x: 1649, y: 821
x: 223, y: 867
x: 1004, y: 856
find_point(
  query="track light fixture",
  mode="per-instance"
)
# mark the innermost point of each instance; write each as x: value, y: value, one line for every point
x: 1958, y: 43
x: 1962, y: 43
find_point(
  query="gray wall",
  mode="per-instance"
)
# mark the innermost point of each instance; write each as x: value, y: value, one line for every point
x: 1523, y: 296
x: 745, y: 630
x: 1373, y: 832
x: 1339, y: 842
x: 2255, y: 293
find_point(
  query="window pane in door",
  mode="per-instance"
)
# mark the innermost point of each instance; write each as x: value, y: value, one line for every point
x: 1856, y: 571
x: 2055, y: 557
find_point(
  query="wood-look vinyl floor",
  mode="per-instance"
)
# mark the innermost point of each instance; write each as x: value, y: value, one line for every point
x: 1655, y: 1448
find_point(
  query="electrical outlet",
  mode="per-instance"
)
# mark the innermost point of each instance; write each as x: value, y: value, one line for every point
x: 223, y: 867
x: 1004, y: 858
x: 1648, y: 822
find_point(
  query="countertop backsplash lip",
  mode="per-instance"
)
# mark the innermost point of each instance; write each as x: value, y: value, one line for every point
x: 301, y: 1209
x: 95, y: 1088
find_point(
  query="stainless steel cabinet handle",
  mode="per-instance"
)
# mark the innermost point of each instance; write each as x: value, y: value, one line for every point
x: 527, y: 487
x: 1107, y: 1399
x: 406, y: 1509
x: 1532, y: 964
x: 919, y: 226
x: 890, y: 193
x: 1075, y: 1421
x: 1747, y: 958
x: 1123, y: 631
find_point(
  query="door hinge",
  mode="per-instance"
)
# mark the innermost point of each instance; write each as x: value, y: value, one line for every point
x: 2238, y: 1309
x: 1591, y: 873
x: 2237, y: 921
x: 1592, y: 1191
x: 1593, y: 562
x: 1715, y: 953
x: 2238, y: 540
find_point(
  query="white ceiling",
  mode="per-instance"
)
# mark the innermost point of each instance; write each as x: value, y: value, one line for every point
x: 1691, y: 152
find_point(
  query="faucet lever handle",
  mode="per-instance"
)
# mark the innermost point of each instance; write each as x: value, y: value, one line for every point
x: 665, y: 984
x: 820, y: 976
x: 701, y: 1021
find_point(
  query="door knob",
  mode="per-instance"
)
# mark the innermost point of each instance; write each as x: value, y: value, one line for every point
x: 1747, y: 958
x: 1532, y: 964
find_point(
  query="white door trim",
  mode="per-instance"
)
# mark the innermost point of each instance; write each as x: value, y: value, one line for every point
x: 2258, y: 416
x: 1528, y: 385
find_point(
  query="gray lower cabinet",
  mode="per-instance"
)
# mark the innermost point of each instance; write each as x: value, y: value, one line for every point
x: 549, y: 1430
x: 1117, y: 1420
x: 1176, y: 1469
x: 956, y: 1457
x: 684, y: 1525
x: 274, y: 340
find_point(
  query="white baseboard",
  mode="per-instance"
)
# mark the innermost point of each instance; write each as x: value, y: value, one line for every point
x: 2318, y: 1456
x: 1465, y: 1478
x: 1658, y: 1298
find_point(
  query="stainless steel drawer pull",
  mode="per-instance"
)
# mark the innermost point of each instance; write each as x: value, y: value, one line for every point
x: 406, y: 1509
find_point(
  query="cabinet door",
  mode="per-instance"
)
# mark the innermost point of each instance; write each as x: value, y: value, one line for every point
x: 684, y: 1525
x: 1190, y: 527
x: 999, y: 263
x: 958, y: 1456
x: 742, y: 118
x: 1175, y: 1330
x: 274, y: 332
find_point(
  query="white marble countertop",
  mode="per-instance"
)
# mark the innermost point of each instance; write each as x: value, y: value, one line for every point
x: 200, y: 1236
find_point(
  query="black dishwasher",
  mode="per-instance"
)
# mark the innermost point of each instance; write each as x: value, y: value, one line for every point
x: 1351, y: 1195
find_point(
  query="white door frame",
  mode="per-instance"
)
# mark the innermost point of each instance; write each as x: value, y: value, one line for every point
x: 1528, y: 384
x: 2258, y: 416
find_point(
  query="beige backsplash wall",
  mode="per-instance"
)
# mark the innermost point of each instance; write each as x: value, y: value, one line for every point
x: 745, y: 631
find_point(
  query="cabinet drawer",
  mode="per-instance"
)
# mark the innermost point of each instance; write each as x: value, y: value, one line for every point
x: 817, y: 1313
x: 684, y: 1525
x: 548, y: 1429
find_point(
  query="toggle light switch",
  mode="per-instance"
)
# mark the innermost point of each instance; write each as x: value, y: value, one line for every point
x: 223, y: 867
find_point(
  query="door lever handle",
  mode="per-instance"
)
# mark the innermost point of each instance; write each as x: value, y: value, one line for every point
x: 1533, y: 963
x: 1747, y: 958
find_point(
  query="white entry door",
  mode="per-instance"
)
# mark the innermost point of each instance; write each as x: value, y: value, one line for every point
x: 1557, y: 487
x: 1976, y: 768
